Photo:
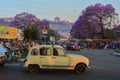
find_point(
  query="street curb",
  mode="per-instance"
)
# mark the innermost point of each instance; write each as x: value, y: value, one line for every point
x: 115, y: 54
x: 21, y: 60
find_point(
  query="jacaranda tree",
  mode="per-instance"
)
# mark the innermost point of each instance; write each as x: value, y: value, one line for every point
x: 27, y: 20
x: 93, y: 20
x: 30, y: 24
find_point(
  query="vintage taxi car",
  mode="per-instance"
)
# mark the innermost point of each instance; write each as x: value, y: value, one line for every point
x: 54, y: 57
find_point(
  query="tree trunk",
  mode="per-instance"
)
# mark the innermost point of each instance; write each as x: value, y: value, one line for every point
x: 102, y: 29
x: 102, y: 32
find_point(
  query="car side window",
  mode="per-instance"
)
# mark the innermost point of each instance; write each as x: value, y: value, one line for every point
x: 45, y: 51
x: 55, y: 52
x: 58, y: 52
x: 34, y: 52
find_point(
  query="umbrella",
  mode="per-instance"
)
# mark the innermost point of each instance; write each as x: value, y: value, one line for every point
x: 3, y: 50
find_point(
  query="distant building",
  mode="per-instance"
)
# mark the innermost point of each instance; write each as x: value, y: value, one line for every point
x: 62, y: 27
x: 8, y: 19
x: 57, y: 19
x: 5, y: 21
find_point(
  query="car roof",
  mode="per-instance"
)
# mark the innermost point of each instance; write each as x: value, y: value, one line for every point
x: 38, y: 46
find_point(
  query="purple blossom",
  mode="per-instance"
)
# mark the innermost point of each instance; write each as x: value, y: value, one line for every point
x: 27, y: 20
x: 93, y: 19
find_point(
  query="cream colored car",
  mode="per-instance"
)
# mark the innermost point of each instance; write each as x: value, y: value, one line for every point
x: 54, y: 57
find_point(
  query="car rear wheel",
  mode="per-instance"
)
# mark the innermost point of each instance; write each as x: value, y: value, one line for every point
x: 80, y: 68
x: 33, y: 69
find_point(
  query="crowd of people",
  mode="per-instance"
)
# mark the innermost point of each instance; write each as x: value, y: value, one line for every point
x: 100, y: 45
x: 17, y: 47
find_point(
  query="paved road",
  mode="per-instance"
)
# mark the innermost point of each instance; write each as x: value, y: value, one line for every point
x: 103, y: 67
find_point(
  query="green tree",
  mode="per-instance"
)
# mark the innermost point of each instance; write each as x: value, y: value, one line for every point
x: 31, y: 33
x: 109, y: 33
x: 51, y: 32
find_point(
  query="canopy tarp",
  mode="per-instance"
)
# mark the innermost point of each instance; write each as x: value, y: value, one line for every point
x: 8, y: 32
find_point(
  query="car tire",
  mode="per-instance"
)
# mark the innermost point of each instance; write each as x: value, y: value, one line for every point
x: 33, y: 69
x: 80, y: 68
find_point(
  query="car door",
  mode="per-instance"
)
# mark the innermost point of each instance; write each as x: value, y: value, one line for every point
x: 45, y: 57
x: 60, y: 58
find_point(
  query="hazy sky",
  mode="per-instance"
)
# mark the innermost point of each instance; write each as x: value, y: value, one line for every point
x: 49, y: 9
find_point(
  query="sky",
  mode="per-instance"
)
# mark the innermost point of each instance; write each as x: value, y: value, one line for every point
x: 68, y: 10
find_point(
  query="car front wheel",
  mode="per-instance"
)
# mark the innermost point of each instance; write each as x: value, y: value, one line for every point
x: 33, y: 69
x: 80, y: 68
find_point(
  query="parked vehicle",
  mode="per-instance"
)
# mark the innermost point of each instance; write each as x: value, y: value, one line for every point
x: 6, y: 53
x: 73, y: 46
x: 2, y: 56
x: 54, y: 57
